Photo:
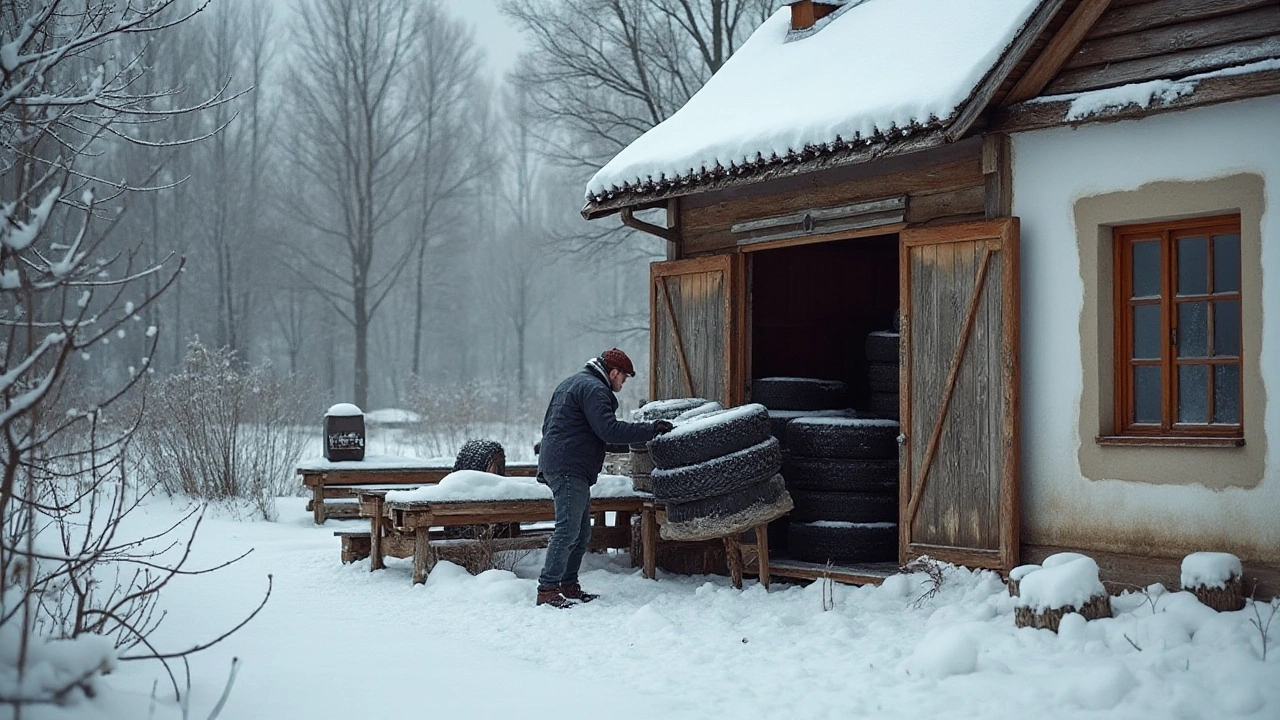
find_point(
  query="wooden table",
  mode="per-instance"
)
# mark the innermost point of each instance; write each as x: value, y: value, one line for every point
x: 398, y: 521
x: 739, y: 556
x: 342, y: 480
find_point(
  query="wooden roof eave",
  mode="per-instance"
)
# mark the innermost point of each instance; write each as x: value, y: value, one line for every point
x: 958, y: 126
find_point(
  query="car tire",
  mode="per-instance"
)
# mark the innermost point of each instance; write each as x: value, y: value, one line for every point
x: 869, y: 439
x: 824, y: 542
x: 710, y: 437
x: 730, y: 514
x: 882, y: 347
x: 848, y: 507
x: 718, y: 476
x: 789, y: 393
x: 841, y: 475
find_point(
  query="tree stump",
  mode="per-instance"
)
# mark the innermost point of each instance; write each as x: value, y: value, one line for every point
x: 1098, y: 606
x: 1045, y: 594
x: 1015, y: 577
x: 1216, y: 579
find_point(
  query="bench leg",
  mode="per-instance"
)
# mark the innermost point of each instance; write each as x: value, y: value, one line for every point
x: 424, y: 556
x: 762, y: 553
x: 375, y: 537
x: 317, y: 504
x: 733, y: 556
x: 649, y: 541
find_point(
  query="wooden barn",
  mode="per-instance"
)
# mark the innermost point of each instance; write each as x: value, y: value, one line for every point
x: 1071, y: 208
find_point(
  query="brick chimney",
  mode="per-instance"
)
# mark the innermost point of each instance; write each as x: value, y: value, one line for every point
x: 804, y: 13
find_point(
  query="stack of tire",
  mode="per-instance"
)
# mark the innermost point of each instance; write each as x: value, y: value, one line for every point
x: 843, y: 477
x: 717, y: 474
x: 882, y: 373
x: 675, y: 409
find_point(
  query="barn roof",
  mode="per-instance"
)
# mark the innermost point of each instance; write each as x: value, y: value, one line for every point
x: 876, y: 74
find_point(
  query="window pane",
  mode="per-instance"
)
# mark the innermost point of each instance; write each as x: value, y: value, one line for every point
x: 1193, y: 394
x: 1226, y: 328
x: 1146, y: 332
x: 1193, y: 266
x: 1226, y: 394
x: 1146, y: 269
x: 1146, y: 394
x: 1226, y: 263
x: 1193, y: 329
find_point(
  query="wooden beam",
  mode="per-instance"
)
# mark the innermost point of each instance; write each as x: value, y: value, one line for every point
x: 630, y: 220
x: 1055, y: 55
x: 977, y: 102
x: 997, y: 175
x: 1209, y: 91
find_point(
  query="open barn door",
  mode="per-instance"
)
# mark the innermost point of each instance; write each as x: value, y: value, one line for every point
x: 694, y: 306
x: 959, y: 409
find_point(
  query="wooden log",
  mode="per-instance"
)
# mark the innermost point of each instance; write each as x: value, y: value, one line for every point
x: 733, y: 556
x: 1098, y: 606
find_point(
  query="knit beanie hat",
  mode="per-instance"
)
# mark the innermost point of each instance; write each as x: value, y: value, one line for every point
x: 615, y: 359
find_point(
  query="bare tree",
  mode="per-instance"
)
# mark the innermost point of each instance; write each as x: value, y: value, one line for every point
x: 451, y: 154
x: 69, y: 99
x: 354, y: 148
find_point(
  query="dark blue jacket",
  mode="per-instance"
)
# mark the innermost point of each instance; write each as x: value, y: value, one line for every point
x: 579, y: 422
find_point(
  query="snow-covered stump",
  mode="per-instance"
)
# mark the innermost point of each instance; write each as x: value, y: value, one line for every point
x: 1065, y: 583
x: 1015, y: 577
x: 1216, y: 579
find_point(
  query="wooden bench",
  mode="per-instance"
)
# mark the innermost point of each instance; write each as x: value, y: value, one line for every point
x: 394, y: 527
x: 334, y: 486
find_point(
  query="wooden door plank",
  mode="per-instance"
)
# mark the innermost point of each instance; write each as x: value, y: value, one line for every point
x: 674, y: 324
x: 1057, y: 52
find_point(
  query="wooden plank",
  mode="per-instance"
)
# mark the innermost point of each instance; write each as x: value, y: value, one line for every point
x: 1122, y: 571
x: 1209, y: 91
x: 1145, y: 16
x: 649, y: 539
x: 376, y: 522
x: 762, y: 553
x: 1256, y: 23
x: 423, y: 556
x: 1172, y: 66
x: 927, y: 207
x: 997, y: 175
x: 674, y: 324
x: 865, y: 574
x: 1057, y: 52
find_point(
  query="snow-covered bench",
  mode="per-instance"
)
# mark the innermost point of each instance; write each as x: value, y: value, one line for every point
x: 333, y: 485
x: 398, y: 518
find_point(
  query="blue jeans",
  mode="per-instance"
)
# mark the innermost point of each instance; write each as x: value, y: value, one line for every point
x: 573, y: 531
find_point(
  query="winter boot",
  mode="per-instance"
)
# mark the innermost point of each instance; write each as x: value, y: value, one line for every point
x: 554, y: 597
x: 574, y: 592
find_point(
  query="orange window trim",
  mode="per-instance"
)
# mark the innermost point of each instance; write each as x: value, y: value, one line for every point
x: 1167, y: 234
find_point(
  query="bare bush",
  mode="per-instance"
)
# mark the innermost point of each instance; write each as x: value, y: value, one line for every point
x: 451, y: 415
x: 217, y: 431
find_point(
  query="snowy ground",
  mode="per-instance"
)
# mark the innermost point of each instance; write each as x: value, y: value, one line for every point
x: 336, y: 641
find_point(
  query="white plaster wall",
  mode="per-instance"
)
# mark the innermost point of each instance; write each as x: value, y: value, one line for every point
x: 1052, y: 169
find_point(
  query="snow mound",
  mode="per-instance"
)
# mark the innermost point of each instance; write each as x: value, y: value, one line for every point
x: 343, y: 410
x: 944, y: 652
x: 1210, y: 569
x: 1063, y: 584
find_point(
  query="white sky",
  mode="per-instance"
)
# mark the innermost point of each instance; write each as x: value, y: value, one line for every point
x: 499, y: 38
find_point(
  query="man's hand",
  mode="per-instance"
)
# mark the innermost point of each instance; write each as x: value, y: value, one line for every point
x: 662, y: 426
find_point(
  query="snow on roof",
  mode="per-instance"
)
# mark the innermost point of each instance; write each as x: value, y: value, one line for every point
x: 878, y: 68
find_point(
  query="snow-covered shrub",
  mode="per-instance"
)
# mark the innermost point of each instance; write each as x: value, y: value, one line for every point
x: 219, y: 431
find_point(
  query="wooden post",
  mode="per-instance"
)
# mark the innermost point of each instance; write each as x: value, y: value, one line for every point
x: 762, y: 553
x: 649, y: 539
x: 375, y: 535
x: 317, y: 503
x: 424, y: 557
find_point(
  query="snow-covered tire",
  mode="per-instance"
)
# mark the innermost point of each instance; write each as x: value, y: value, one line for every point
x: 707, y: 408
x: 729, y: 514
x: 843, y: 542
x: 790, y: 393
x: 883, y: 377
x: 848, y: 507
x: 841, y: 475
x: 477, y: 454
x: 666, y: 409
x: 882, y: 347
x: 869, y: 439
x: 720, y: 475
x: 710, y: 436
x: 884, y: 404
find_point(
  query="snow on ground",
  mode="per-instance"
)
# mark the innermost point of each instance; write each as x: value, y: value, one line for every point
x: 336, y: 641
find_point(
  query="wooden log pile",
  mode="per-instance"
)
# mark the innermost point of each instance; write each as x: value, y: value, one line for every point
x: 1065, y: 583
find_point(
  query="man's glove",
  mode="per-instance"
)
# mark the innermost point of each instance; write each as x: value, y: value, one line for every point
x: 662, y: 426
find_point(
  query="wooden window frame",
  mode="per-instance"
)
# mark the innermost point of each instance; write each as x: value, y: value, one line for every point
x: 1169, y: 431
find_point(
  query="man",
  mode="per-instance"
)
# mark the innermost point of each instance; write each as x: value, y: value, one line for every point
x: 579, y: 422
